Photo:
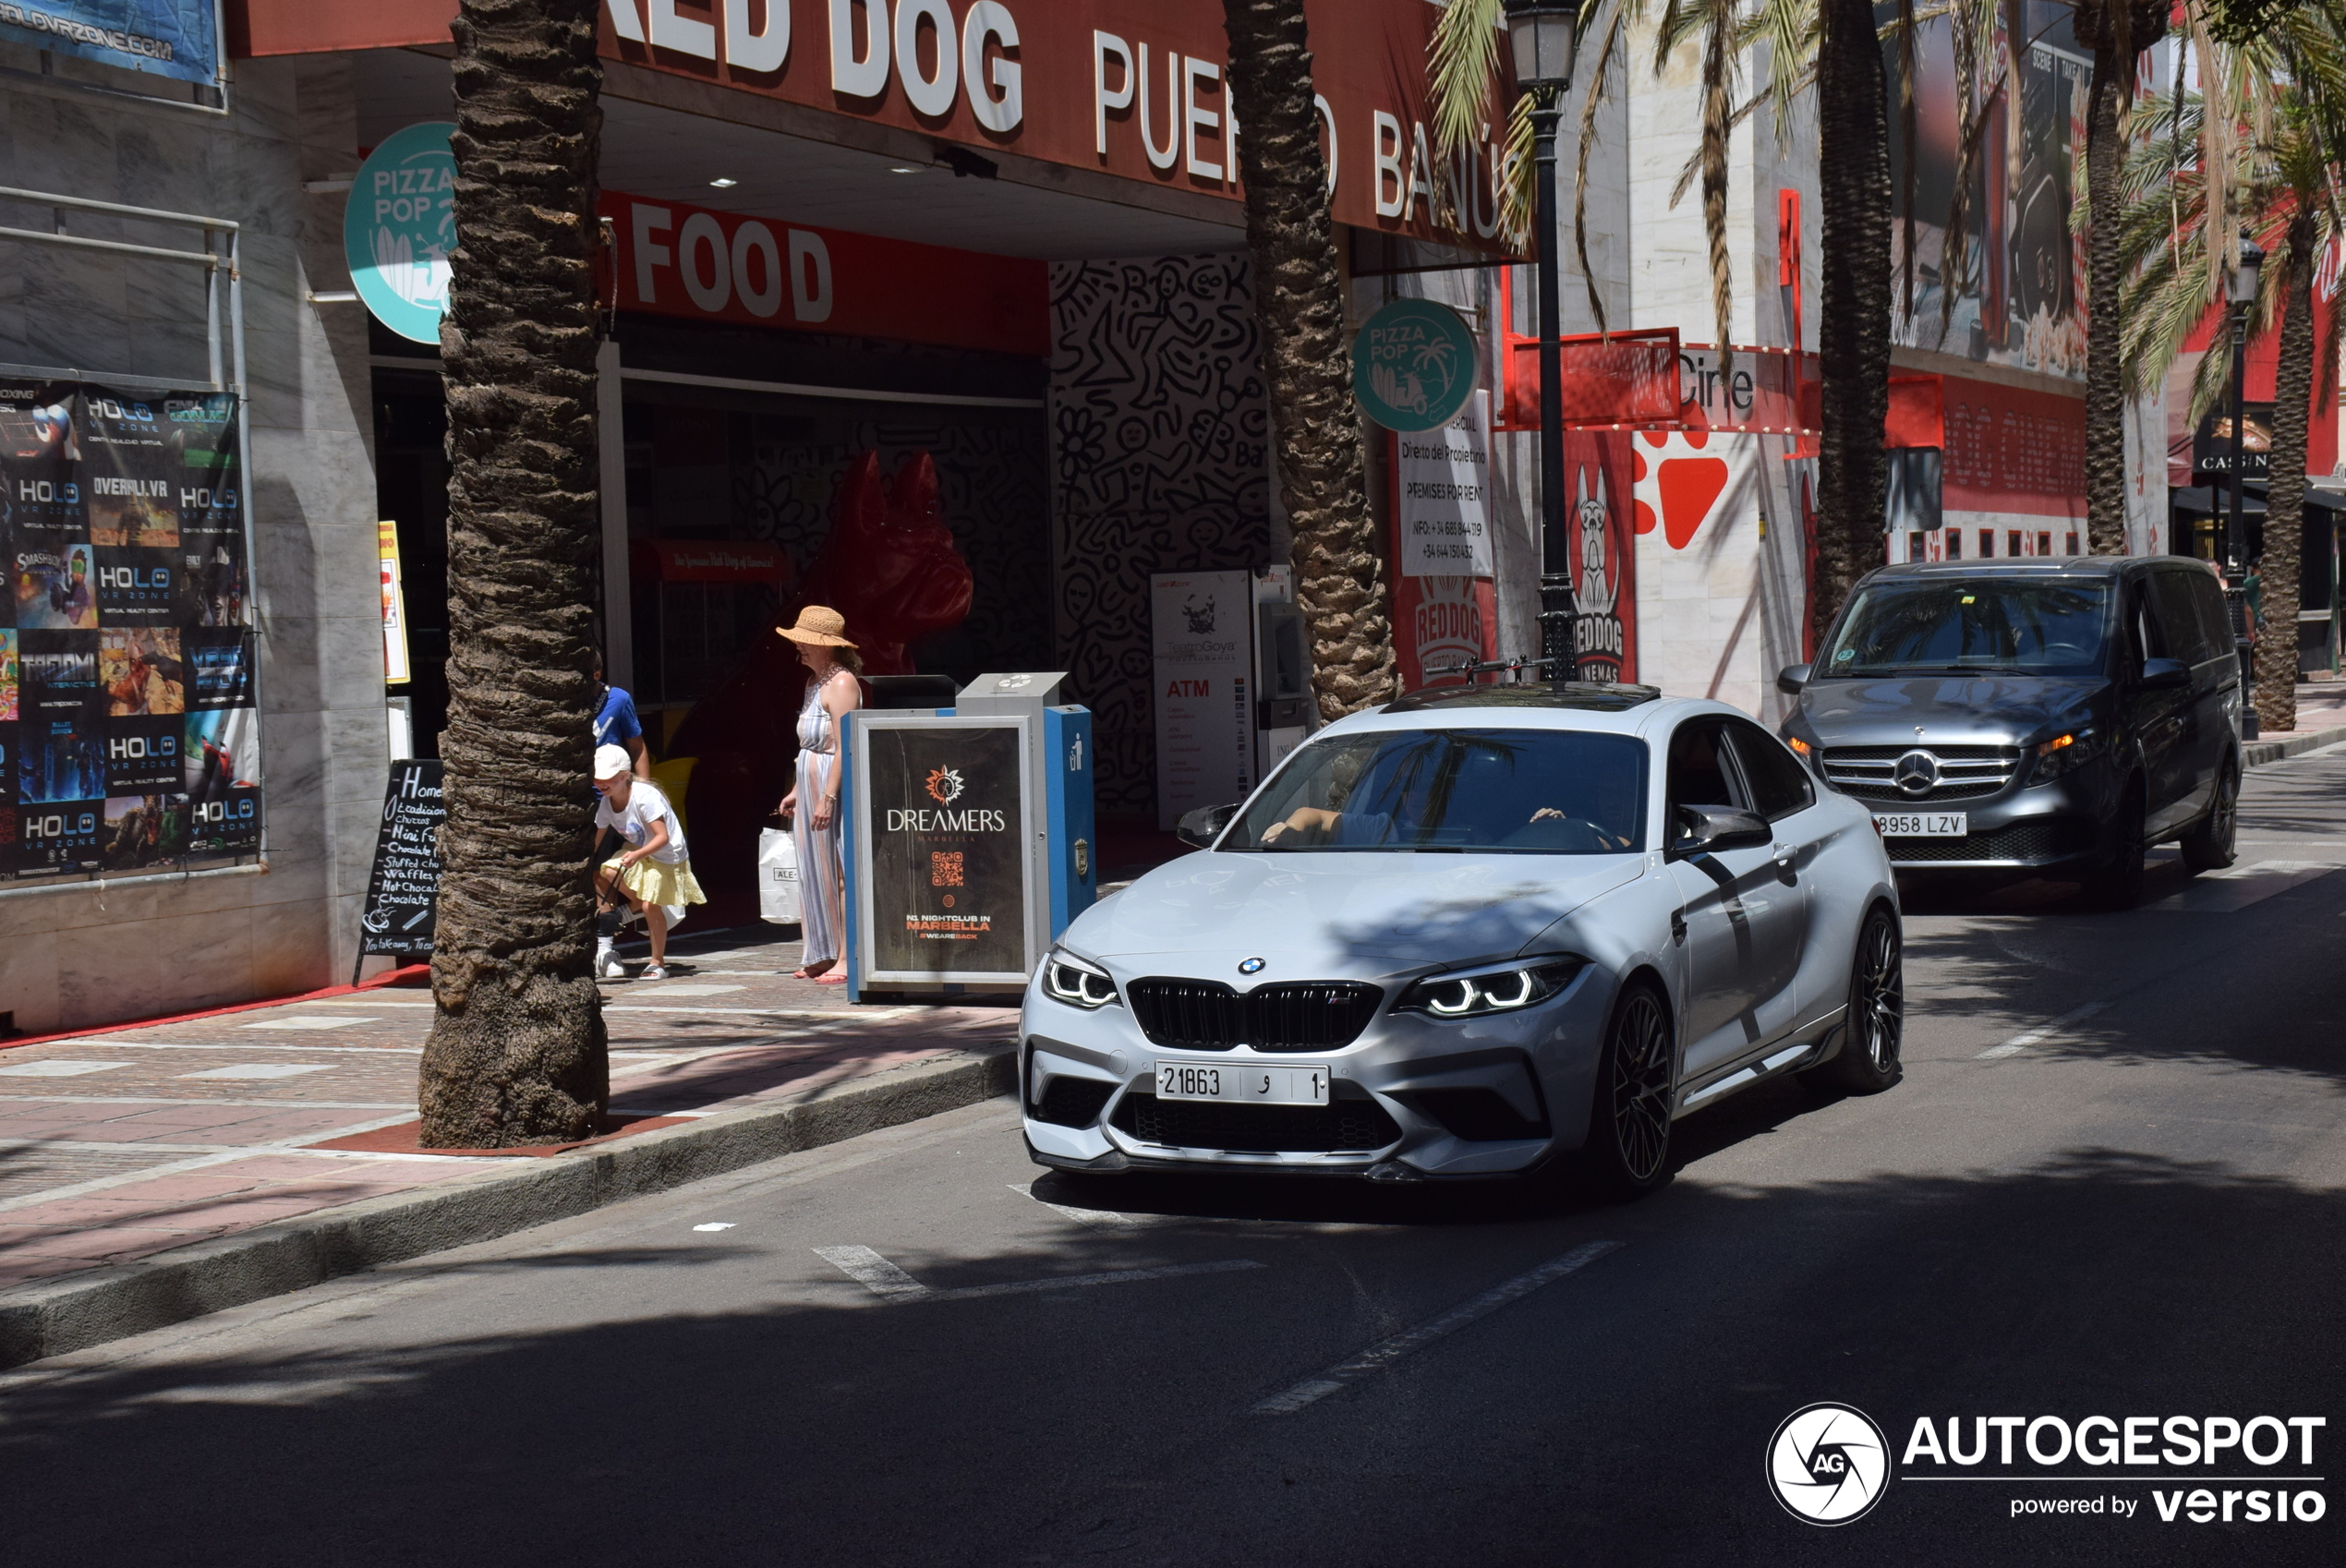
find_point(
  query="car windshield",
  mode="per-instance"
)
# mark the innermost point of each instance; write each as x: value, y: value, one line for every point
x: 2013, y: 625
x: 1481, y: 791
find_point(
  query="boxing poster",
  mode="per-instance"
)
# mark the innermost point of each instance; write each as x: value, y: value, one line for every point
x: 130, y: 738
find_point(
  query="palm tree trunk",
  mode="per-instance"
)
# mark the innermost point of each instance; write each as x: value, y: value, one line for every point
x: 1853, y: 318
x: 2285, y: 490
x: 2117, y: 31
x: 1339, y: 572
x: 516, y: 1053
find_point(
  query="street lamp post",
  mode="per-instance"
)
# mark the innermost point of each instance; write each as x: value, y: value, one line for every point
x: 2240, y: 289
x: 1542, y: 36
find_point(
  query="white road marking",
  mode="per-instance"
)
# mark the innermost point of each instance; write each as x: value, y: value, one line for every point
x: 1107, y: 1218
x: 892, y: 1285
x: 1379, y: 1356
x: 2037, y: 1036
x: 60, y: 1069
x: 2235, y: 888
x: 261, y: 1069
x: 302, y: 1021
x: 719, y: 1225
x: 874, y: 1273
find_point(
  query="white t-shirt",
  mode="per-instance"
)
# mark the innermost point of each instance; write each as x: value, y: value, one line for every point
x: 634, y: 821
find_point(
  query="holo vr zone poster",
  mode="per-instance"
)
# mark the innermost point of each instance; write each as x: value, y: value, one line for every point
x: 128, y: 736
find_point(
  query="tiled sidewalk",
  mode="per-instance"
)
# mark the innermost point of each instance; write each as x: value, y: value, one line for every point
x: 120, y: 1145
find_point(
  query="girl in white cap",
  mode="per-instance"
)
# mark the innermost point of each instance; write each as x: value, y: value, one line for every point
x: 652, y: 870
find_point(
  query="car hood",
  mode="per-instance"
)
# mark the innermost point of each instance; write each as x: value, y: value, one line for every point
x: 1338, y: 914
x: 1950, y: 709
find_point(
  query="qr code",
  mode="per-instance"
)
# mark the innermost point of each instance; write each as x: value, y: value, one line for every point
x: 945, y: 869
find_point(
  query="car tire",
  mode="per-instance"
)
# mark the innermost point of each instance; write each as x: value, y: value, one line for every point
x: 2213, y: 842
x: 1627, y: 1151
x: 2117, y: 884
x: 1875, y: 1030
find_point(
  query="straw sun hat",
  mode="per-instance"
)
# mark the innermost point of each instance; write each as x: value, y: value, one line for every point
x: 818, y: 625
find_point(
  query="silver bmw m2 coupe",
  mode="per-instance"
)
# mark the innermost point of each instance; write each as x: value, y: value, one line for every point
x: 1479, y: 932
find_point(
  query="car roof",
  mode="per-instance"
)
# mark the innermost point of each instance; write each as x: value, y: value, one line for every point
x: 2061, y: 566
x: 1587, y: 706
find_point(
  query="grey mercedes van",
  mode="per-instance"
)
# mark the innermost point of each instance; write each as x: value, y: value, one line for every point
x: 2050, y: 718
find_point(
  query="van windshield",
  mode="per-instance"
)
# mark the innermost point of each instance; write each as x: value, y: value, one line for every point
x: 2011, y: 625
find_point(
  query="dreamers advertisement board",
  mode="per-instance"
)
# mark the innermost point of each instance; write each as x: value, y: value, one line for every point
x: 128, y: 736
x: 944, y: 814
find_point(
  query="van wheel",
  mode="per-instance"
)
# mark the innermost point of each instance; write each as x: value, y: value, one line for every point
x: 2211, y: 843
x: 1628, y: 1154
x: 2118, y: 883
x: 1875, y: 1030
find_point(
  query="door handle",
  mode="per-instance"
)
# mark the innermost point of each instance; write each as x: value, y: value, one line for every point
x: 1784, y: 868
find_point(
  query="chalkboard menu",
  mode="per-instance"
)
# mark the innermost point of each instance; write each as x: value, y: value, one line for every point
x: 405, y: 885
x: 946, y: 841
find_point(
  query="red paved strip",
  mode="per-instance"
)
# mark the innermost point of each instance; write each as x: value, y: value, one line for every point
x: 402, y: 1139
x: 389, y: 977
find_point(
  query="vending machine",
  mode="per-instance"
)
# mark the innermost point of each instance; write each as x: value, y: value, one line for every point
x: 969, y: 838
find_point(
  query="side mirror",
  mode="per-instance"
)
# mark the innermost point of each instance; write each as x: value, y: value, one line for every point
x: 2164, y: 674
x: 1203, y: 825
x: 1701, y: 830
x: 1792, y: 678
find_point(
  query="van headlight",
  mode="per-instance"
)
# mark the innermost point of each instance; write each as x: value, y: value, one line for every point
x: 1503, y: 989
x: 2065, y: 755
x: 1069, y: 979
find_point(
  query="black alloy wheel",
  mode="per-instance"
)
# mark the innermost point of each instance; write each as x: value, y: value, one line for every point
x: 1629, y: 1149
x: 1876, y: 1026
x: 2117, y: 884
x: 2213, y: 842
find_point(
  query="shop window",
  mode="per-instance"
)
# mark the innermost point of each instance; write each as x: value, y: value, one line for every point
x: 2013, y: 543
x: 1987, y: 543
x: 2044, y: 544
x: 1954, y: 543
x: 2073, y: 544
x: 1915, y: 547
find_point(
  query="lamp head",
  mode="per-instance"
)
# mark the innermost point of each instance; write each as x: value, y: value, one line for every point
x: 1543, y: 35
x: 2242, y: 288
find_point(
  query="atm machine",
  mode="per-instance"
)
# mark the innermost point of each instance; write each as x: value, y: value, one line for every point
x: 1283, y: 705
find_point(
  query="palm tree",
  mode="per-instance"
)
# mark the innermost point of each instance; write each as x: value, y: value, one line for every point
x: 2117, y: 31
x: 2285, y: 187
x: 516, y: 1053
x: 1340, y: 570
x: 1830, y: 45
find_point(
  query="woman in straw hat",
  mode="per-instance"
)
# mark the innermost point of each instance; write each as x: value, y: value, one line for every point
x: 812, y: 807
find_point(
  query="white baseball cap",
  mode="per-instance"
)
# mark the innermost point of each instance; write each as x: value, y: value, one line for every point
x: 611, y: 761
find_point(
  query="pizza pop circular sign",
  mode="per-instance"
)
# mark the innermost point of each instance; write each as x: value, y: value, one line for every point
x: 1413, y: 364
x: 400, y: 228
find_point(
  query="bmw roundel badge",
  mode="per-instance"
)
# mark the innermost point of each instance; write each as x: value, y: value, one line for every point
x: 1251, y: 966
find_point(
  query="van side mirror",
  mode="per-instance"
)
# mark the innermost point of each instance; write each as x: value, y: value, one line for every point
x: 1702, y: 830
x: 1792, y: 678
x: 1203, y: 825
x: 2165, y: 674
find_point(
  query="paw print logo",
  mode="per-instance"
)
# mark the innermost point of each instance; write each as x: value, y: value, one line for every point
x: 944, y: 786
x: 1679, y: 485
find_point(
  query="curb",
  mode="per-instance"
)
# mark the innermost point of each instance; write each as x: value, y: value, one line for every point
x: 2255, y: 753
x: 46, y: 1319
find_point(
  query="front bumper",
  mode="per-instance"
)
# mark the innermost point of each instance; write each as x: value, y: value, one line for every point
x: 2040, y: 829
x: 1490, y: 1096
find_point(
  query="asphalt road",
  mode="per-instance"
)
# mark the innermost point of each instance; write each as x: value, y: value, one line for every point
x: 2134, y: 1212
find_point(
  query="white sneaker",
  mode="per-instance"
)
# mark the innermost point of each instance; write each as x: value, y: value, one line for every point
x: 606, y: 964
x: 654, y: 971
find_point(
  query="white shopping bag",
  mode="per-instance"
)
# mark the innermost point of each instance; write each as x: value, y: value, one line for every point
x: 675, y: 913
x: 777, y: 877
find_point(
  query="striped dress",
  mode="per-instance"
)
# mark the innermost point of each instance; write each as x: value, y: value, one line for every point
x: 821, y: 904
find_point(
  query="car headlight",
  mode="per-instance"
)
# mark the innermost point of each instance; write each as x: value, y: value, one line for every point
x: 1069, y: 979
x: 2065, y: 755
x: 1481, y: 992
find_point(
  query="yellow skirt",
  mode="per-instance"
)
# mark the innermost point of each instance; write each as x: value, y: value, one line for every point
x: 655, y: 882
